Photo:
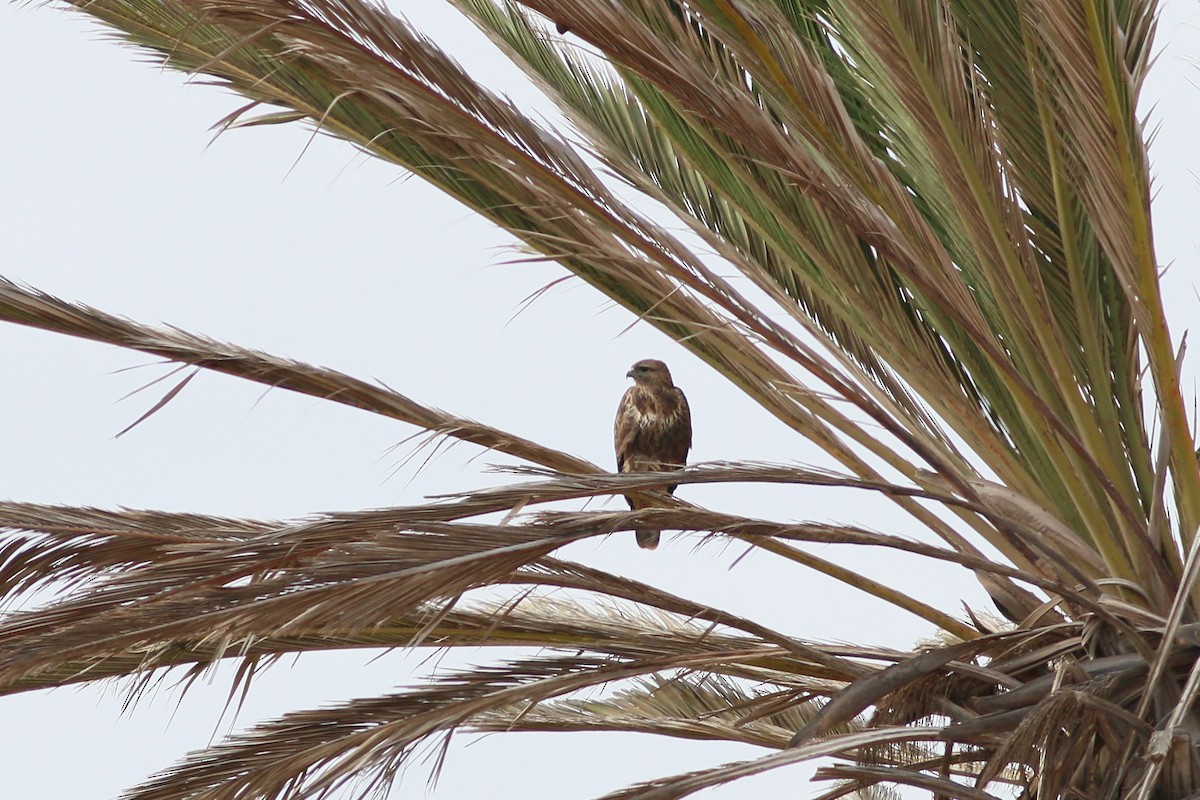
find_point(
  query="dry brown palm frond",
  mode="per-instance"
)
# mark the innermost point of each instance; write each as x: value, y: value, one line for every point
x: 171, y: 561
x: 861, y: 790
x: 995, y: 502
x: 369, y: 739
x: 921, y: 697
x: 40, y: 310
x: 1038, y: 738
x: 694, y: 705
x: 303, y: 566
x: 870, y: 776
x: 305, y: 580
x: 272, y: 588
x: 868, y: 691
x: 700, y: 520
x: 605, y: 628
x: 689, y: 783
x: 487, y: 501
x: 64, y: 547
x: 824, y: 661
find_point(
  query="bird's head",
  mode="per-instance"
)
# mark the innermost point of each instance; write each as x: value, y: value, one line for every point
x: 650, y: 371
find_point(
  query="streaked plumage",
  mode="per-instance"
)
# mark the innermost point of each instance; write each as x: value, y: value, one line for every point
x: 653, y: 429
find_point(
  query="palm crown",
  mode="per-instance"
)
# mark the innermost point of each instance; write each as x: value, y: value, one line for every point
x: 938, y: 215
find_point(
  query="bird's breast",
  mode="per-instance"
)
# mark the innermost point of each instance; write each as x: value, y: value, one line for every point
x: 651, y: 416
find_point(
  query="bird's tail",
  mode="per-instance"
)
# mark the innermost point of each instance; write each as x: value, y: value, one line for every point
x: 647, y: 539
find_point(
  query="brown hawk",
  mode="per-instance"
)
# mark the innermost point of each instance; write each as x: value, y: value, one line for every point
x: 653, y: 430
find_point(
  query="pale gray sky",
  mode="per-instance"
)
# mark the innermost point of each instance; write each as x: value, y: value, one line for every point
x: 111, y: 194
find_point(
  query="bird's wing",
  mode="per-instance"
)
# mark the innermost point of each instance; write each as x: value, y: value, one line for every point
x: 678, y: 439
x: 624, y: 429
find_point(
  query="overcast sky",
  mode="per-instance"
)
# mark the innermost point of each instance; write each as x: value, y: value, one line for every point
x: 114, y: 194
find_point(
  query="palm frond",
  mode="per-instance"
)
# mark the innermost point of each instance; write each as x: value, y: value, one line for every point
x: 703, y: 706
x: 40, y: 310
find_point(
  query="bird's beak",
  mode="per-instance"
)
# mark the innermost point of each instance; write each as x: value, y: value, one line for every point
x: 629, y: 374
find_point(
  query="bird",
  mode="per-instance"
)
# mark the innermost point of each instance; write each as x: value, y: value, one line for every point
x: 653, y: 430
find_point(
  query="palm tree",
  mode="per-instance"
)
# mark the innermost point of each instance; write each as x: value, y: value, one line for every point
x: 919, y: 236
